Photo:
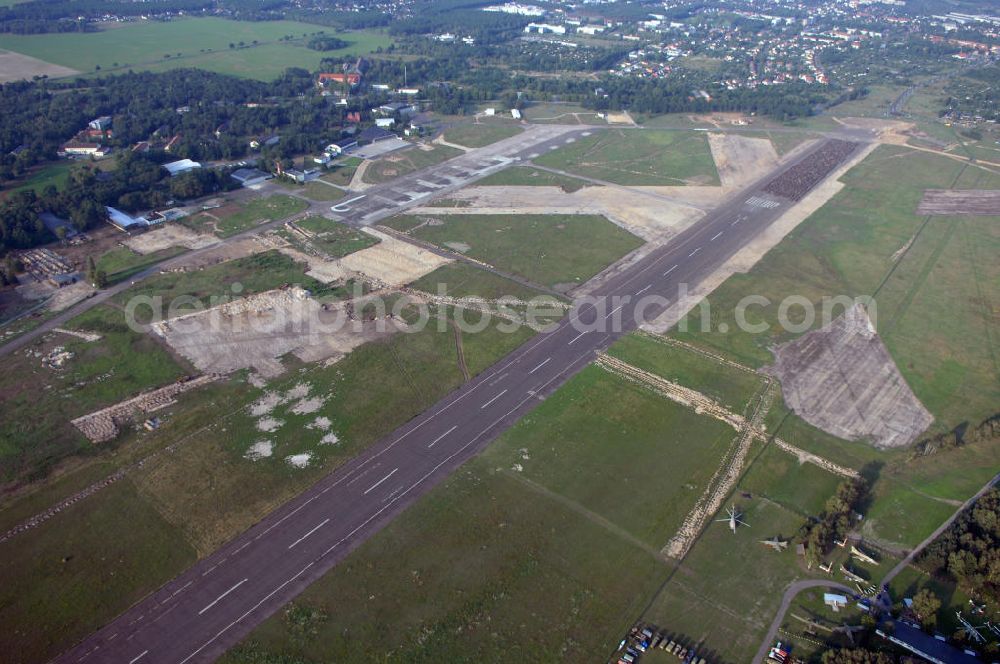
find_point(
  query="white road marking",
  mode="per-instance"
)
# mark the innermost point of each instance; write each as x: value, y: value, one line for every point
x: 436, y: 440
x: 670, y: 270
x: 540, y: 366
x: 493, y: 399
x: 219, y: 598
x: 138, y: 657
x: 577, y: 337
x: 374, y: 486
x: 738, y: 220
x: 694, y: 252
x: 716, y: 236
x: 644, y: 289
x: 616, y: 310
x: 325, y: 521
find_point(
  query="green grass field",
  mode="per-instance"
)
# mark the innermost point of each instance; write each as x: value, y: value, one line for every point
x: 525, y: 176
x: 477, y: 135
x: 729, y: 386
x: 561, y: 251
x: 38, y: 402
x: 122, y: 262
x: 638, y: 157
x: 334, y: 238
x: 201, y: 42
x: 63, y: 581
x: 342, y: 172
x: 55, y: 174
x: 543, y: 548
x: 238, y: 217
x: 407, y: 161
x: 316, y: 190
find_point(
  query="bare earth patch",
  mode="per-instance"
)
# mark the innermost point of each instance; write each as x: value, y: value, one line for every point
x: 166, y: 236
x: 741, y: 160
x: 841, y: 379
x: 984, y: 202
x: 17, y: 66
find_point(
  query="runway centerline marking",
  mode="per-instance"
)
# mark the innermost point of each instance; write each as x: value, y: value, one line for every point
x: 493, y: 399
x: 219, y: 598
x: 325, y: 521
x: 716, y: 236
x: 540, y: 366
x: 670, y: 270
x: 644, y: 289
x: 577, y: 337
x: 436, y: 440
x: 138, y: 657
x: 374, y: 486
x: 694, y: 252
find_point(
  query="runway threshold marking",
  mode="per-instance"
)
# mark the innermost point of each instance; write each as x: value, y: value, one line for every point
x: 325, y: 521
x: 493, y: 399
x: 219, y: 598
x: 138, y: 657
x: 436, y: 440
x: 374, y: 486
x: 540, y: 366
x: 670, y: 270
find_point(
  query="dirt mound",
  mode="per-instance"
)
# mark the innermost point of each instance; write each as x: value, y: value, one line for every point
x: 841, y: 379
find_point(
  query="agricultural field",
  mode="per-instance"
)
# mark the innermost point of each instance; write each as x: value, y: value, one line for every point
x: 548, y: 544
x: 237, y: 217
x: 638, y: 157
x: 479, y: 134
x: 560, y: 251
x: 191, y: 42
x: 407, y: 161
x: 525, y: 176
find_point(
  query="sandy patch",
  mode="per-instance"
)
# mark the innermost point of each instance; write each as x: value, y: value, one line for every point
x: 265, y: 404
x: 329, y: 439
x: 269, y: 424
x: 307, y: 406
x: 299, y: 460
x: 620, y: 118
x: 258, y: 330
x: 17, y: 66
x: 392, y: 262
x: 741, y: 160
x: 169, y: 235
x: 321, y: 423
x: 753, y: 251
x: 262, y: 449
x: 300, y: 391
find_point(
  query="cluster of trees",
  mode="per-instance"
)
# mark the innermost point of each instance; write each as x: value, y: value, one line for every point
x: 969, y: 551
x: 326, y: 43
x: 835, y: 521
x: 988, y: 429
x: 138, y: 182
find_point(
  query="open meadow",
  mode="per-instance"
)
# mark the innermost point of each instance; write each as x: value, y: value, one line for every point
x: 202, y: 42
x: 559, y: 251
x: 407, y: 161
x: 637, y: 157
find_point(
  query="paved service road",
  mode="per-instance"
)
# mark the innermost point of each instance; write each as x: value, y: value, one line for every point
x: 216, y: 603
x: 794, y: 589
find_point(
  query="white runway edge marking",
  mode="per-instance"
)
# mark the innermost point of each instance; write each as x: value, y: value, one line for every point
x: 374, y: 486
x: 493, y: 399
x: 670, y: 270
x: 540, y: 366
x: 325, y: 521
x: 577, y: 337
x: 716, y: 236
x: 694, y: 252
x: 436, y: 440
x: 138, y: 657
x: 219, y: 598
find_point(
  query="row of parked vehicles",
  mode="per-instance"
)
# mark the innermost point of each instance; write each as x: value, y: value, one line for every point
x: 642, y: 638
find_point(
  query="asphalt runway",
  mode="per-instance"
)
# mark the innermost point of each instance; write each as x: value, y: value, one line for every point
x: 218, y: 601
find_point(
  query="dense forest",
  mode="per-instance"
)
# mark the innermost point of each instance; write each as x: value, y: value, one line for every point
x: 969, y: 551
